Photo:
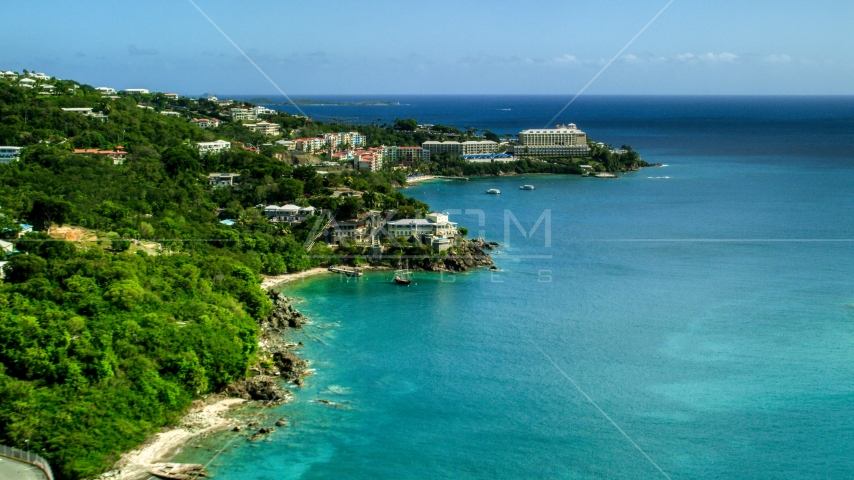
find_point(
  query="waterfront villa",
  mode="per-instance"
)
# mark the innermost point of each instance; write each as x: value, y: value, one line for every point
x: 435, y: 225
x: 132, y: 91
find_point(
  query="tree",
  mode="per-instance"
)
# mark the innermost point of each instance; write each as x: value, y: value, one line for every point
x: 8, y: 228
x: 290, y: 189
x: 46, y: 211
x: 180, y: 159
x: 24, y: 267
x: 408, y: 125
x: 305, y: 174
x: 350, y: 208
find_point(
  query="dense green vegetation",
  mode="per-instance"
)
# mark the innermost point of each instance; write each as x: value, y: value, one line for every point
x: 105, y: 340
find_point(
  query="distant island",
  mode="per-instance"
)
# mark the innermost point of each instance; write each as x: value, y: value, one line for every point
x: 310, y: 103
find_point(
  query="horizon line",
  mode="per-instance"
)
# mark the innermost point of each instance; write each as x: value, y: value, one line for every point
x: 298, y: 96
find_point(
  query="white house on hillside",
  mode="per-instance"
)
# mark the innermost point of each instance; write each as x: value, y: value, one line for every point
x: 9, y: 154
x: 267, y: 128
x: 206, y: 122
x: 243, y: 114
x: 218, y: 180
x: 212, y: 147
x: 288, y: 213
x: 436, y: 224
x: 106, y: 90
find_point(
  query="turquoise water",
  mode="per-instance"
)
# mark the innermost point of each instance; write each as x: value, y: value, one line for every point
x: 708, y: 311
x: 719, y: 359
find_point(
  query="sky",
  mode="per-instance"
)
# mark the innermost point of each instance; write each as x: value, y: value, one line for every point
x: 330, y: 47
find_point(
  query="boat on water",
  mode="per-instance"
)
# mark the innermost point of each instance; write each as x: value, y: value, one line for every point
x: 403, y: 277
x: 493, y: 191
x: 526, y: 187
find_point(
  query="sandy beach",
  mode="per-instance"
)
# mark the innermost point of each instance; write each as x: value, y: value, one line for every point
x: 273, y: 281
x: 161, y: 447
x: 424, y: 178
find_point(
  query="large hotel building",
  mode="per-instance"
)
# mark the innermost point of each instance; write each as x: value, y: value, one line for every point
x: 465, y: 148
x: 563, y: 141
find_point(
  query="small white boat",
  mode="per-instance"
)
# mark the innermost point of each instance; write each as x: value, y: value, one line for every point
x: 526, y: 187
x: 493, y: 191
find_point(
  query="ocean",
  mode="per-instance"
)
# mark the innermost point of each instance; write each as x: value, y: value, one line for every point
x: 688, y: 321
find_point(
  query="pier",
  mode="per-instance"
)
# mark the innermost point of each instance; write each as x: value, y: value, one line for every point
x: 354, y: 272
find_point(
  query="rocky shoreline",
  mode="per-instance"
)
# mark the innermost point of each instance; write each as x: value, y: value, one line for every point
x: 277, y: 361
x: 278, y: 365
x: 472, y: 254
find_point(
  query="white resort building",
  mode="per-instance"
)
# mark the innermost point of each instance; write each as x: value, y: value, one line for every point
x: 563, y: 141
x: 465, y: 148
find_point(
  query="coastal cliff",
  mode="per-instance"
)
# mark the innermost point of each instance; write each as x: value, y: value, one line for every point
x: 469, y: 255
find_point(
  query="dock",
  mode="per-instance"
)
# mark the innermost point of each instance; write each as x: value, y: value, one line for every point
x: 349, y: 272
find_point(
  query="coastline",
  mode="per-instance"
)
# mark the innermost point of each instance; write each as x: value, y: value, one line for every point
x: 215, y: 412
x: 270, y: 282
x: 160, y: 447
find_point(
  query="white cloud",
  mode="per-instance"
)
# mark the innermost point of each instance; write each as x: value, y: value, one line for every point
x: 631, y: 59
x: 778, y: 59
x: 720, y: 57
x: 724, y: 57
x: 567, y: 58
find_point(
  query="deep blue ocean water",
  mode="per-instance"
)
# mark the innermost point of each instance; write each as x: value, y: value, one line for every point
x: 707, y: 307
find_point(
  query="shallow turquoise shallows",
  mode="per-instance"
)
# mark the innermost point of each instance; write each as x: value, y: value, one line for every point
x: 707, y: 307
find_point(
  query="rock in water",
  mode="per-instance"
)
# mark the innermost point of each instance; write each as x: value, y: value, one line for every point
x: 283, y: 316
x: 291, y: 367
x: 262, y: 388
